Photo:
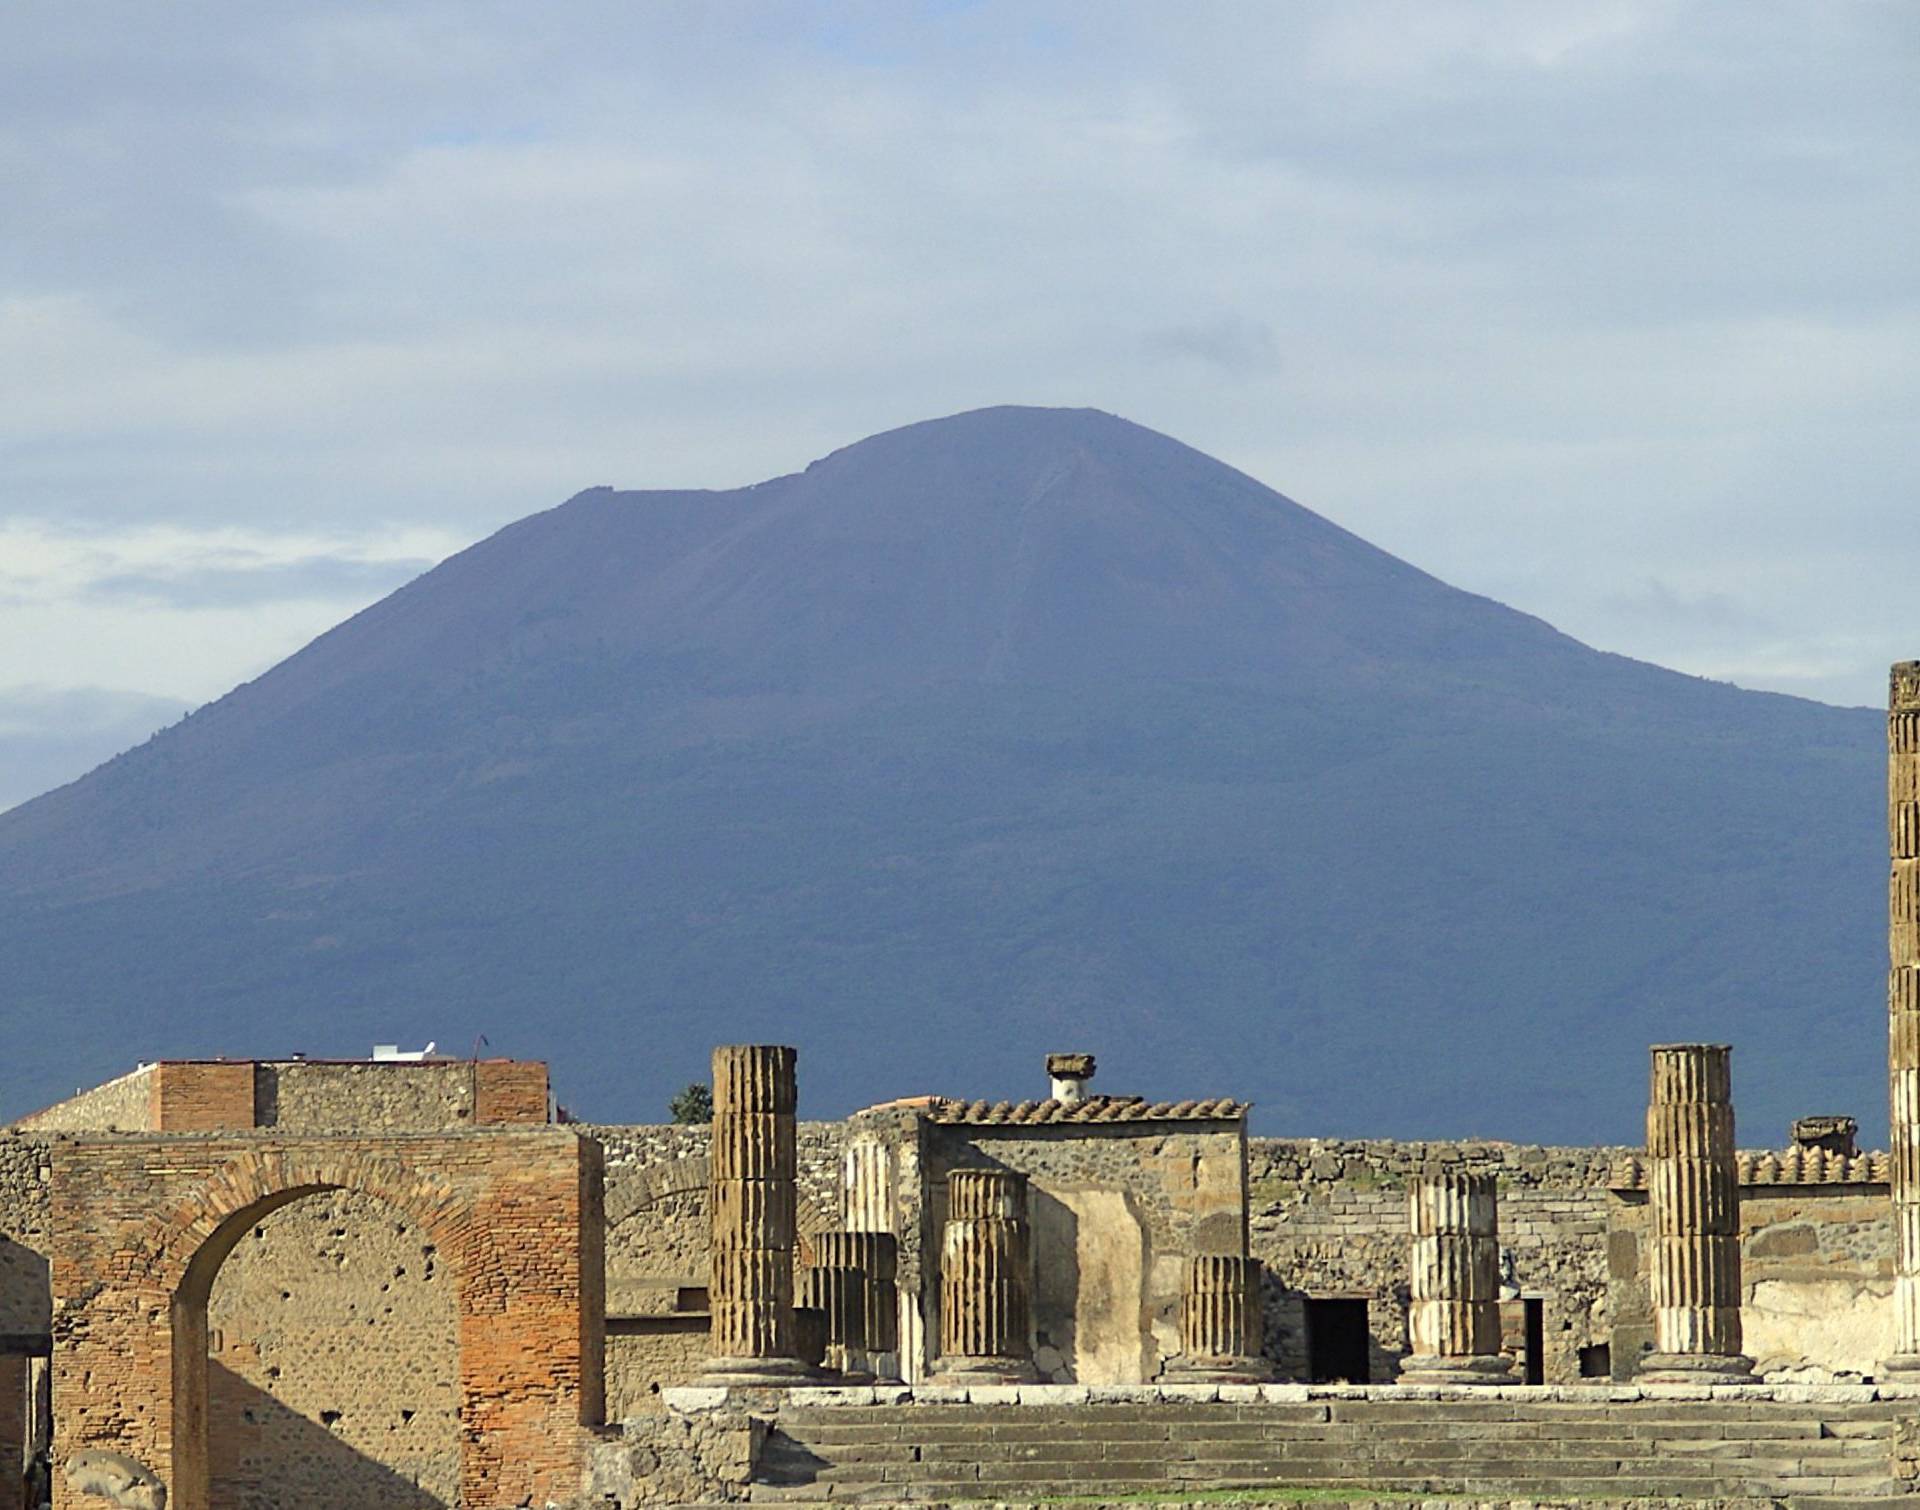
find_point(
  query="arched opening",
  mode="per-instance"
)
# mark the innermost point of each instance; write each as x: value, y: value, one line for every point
x: 316, y: 1359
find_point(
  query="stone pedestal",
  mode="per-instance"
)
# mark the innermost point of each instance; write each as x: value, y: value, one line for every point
x: 1903, y: 1012
x: 751, y: 1203
x: 986, y: 1278
x: 1694, y: 1210
x: 839, y: 1293
x: 877, y: 1256
x: 1220, y: 1321
x: 1453, y: 1321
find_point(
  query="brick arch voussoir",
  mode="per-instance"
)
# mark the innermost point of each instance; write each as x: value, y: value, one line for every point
x: 259, y: 1178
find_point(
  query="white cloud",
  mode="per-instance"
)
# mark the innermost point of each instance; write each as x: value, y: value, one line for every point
x: 183, y: 613
x: 1550, y: 297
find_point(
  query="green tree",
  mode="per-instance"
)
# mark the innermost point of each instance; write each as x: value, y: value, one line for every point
x: 694, y: 1105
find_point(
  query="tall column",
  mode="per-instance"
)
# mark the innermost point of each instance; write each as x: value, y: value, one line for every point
x: 985, y: 1278
x: 1694, y: 1211
x: 751, y: 1204
x: 1220, y: 1321
x: 1453, y: 1322
x: 877, y: 1256
x: 1903, y: 1011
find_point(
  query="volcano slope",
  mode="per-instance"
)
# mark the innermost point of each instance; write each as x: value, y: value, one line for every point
x: 1015, y: 731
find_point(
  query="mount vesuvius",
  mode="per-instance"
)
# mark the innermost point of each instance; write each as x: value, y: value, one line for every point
x: 1016, y: 731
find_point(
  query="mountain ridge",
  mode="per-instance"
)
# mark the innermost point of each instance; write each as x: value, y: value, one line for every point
x: 984, y: 714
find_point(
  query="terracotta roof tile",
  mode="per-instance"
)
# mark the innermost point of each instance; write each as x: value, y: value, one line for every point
x: 1796, y: 1166
x: 1093, y: 1109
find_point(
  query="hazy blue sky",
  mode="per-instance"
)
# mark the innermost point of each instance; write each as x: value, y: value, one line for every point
x: 1607, y: 310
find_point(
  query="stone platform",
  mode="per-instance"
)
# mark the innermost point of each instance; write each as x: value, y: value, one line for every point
x: 1803, y: 1446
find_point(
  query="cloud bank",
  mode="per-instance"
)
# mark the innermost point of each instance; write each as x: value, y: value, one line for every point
x: 1602, y: 309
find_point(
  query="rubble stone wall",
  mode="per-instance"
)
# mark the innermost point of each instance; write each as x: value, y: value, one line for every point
x: 26, y: 1301
x: 1330, y: 1220
x: 312, y: 1096
x: 658, y: 1248
x: 122, y: 1105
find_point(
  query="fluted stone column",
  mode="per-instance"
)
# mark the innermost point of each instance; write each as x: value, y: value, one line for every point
x: 1903, y: 1011
x: 877, y: 1256
x: 1694, y: 1213
x: 751, y: 1204
x: 1220, y: 1321
x: 866, y: 1186
x: 1453, y: 1321
x: 839, y: 1292
x: 986, y: 1270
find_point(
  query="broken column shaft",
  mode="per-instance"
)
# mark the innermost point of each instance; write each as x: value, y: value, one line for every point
x: 1220, y: 1321
x: 1694, y: 1213
x: 751, y: 1204
x: 1903, y: 1010
x: 986, y: 1278
x: 1453, y: 1322
x: 839, y: 1292
x: 877, y: 1256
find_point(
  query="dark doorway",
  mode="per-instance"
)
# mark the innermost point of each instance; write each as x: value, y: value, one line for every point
x: 1339, y: 1348
x: 1536, y: 1357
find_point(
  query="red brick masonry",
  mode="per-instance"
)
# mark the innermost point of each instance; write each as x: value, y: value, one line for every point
x: 143, y: 1223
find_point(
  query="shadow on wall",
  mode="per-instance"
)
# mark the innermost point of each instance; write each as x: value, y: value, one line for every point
x: 277, y: 1459
x: 1056, y: 1289
x: 26, y: 1289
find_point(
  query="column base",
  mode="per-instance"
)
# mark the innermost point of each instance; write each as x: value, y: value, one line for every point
x: 1433, y: 1368
x: 984, y: 1371
x: 751, y: 1373
x: 1901, y: 1368
x: 1217, y: 1371
x: 1694, y: 1368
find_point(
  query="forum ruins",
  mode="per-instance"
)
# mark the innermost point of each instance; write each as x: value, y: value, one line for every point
x: 400, y: 1282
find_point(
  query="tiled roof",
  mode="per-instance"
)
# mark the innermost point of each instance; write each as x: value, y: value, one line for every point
x: 1797, y: 1166
x: 1093, y: 1109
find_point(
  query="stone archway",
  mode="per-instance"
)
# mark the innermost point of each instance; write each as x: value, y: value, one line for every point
x: 143, y: 1226
x: 332, y: 1372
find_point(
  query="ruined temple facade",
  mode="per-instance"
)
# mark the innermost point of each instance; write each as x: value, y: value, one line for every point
x: 325, y: 1274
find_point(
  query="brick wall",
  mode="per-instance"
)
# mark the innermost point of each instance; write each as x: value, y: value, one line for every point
x: 195, y: 1096
x: 144, y: 1226
x: 509, y: 1090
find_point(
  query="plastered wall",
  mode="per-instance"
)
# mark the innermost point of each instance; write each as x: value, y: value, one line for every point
x: 1116, y: 1208
x: 1816, y: 1277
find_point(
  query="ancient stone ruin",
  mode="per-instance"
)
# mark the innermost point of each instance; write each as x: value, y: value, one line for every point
x: 404, y: 1283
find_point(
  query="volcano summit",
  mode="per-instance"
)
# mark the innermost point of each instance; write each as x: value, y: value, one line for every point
x: 1018, y: 730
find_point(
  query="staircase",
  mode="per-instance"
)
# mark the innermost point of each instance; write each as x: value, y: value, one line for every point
x: 1800, y: 1455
